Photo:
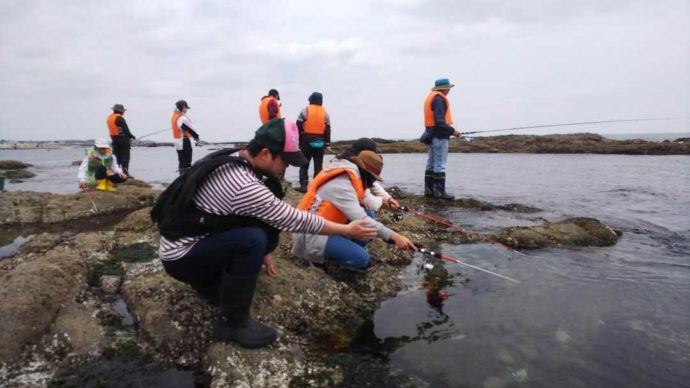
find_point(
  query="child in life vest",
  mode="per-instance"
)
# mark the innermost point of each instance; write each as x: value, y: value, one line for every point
x: 100, y: 167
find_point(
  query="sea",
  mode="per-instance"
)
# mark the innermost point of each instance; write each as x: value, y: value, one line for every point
x: 614, y: 316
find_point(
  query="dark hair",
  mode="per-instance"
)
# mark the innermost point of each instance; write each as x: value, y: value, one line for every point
x: 274, y: 93
x: 254, y: 148
x: 359, y: 145
x: 367, y: 179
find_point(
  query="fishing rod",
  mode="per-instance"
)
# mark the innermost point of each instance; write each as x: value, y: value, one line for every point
x: 457, y: 261
x: 449, y: 224
x: 153, y: 133
x: 567, y: 124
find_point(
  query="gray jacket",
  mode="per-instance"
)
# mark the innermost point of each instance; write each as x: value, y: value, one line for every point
x: 341, y: 194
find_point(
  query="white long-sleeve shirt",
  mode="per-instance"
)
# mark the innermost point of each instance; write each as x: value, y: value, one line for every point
x: 84, y: 166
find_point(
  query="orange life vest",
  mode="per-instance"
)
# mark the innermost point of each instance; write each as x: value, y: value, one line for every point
x: 263, y: 109
x: 113, y: 129
x: 177, y: 132
x: 429, y: 113
x: 326, y: 209
x: 316, y: 120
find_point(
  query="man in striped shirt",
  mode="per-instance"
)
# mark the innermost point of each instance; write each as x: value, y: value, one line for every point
x: 233, y: 257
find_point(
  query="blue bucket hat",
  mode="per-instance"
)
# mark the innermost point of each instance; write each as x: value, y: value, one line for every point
x: 442, y: 83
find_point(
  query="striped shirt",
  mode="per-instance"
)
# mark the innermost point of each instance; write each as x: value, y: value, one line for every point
x: 234, y: 189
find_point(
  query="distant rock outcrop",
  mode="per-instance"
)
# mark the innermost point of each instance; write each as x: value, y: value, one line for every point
x: 579, y: 143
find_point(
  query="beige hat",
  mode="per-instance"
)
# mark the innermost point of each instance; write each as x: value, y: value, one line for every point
x: 371, y: 162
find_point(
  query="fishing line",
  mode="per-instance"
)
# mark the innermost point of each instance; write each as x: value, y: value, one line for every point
x: 457, y: 261
x: 567, y: 124
x: 449, y: 224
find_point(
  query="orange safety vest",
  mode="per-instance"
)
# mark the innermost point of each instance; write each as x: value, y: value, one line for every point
x: 316, y: 120
x: 177, y: 132
x: 429, y: 113
x: 263, y: 109
x: 113, y: 129
x: 326, y: 209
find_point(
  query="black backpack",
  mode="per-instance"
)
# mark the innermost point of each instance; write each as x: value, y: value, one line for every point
x: 176, y: 214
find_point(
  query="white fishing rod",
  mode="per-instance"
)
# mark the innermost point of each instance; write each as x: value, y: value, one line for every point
x: 153, y: 133
x: 454, y: 260
x: 569, y: 124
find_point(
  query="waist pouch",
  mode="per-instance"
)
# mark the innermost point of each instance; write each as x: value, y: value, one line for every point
x: 317, y: 144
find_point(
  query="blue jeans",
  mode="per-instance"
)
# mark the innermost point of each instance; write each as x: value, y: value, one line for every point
x: 438, y: 155
x: 238, y: 252
x: 348, y: 253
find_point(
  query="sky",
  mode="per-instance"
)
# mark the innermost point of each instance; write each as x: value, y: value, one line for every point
x: 63, y: 64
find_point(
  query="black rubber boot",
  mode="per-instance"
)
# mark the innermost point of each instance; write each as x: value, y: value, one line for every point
x: 302, y: 186
x: 209, y: 291
x: 440, y: 186
x: 235, y: 324
x: 428, y: 183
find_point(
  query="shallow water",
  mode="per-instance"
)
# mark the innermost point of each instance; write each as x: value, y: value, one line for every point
x: 614, y: 316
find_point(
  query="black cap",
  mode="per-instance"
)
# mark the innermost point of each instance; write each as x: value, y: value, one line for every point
x: 182, y: 104
x: 274, y: 93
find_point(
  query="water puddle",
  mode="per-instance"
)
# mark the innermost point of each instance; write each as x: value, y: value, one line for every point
x: 120, y: 307
x: 12, y: 248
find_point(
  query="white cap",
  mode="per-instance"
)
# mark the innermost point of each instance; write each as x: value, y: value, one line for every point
x: 102, y: 143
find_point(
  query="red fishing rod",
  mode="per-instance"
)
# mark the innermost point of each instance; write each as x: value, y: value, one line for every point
x: 457, y: 261
x: 449, y: 224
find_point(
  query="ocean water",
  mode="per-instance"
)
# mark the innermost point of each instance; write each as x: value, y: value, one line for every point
x: 586, y: 317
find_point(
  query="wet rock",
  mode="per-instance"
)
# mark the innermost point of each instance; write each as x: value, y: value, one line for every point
x: 41, y: 243
x: 13, y: 165
x: 80, y: 328
x: 30, y: 207
x: 32, y: 294
x: 16, y: 176
x: 494, y: 382
x: 175, y: 320
x: 566, y: 233
x: 575, y: 143
x: 562, y: 336
x: 504, y: 356
x: 137, y: 221
x: 233, y: 366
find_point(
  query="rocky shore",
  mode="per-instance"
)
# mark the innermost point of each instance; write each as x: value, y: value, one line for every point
x: 579, y: 143
x: 86, y: 301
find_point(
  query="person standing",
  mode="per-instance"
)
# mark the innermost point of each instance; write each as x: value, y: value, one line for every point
x: 315, y: 137
x: 120, y: 136
x: 269, y: 108
x: 438, y: 122
x: 182, y: 130
x: 232, y: 224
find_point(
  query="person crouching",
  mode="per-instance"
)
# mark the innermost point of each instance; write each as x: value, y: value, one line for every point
x: 337, y: 194
x: 100, y: 167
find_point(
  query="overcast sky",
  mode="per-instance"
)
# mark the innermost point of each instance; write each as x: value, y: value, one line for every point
x: 63, y: 64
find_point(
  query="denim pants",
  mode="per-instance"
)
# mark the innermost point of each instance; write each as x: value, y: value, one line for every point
x: 238, y: 252
x: 348, y: 253
x: 438, y: 155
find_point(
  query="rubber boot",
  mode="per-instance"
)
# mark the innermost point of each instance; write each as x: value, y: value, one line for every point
x: 101, y: 185
x: 428, y: 183
x: 235, y: 324
x: 440, y: 186
x: 109, y: 186
x: 302, y: 186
